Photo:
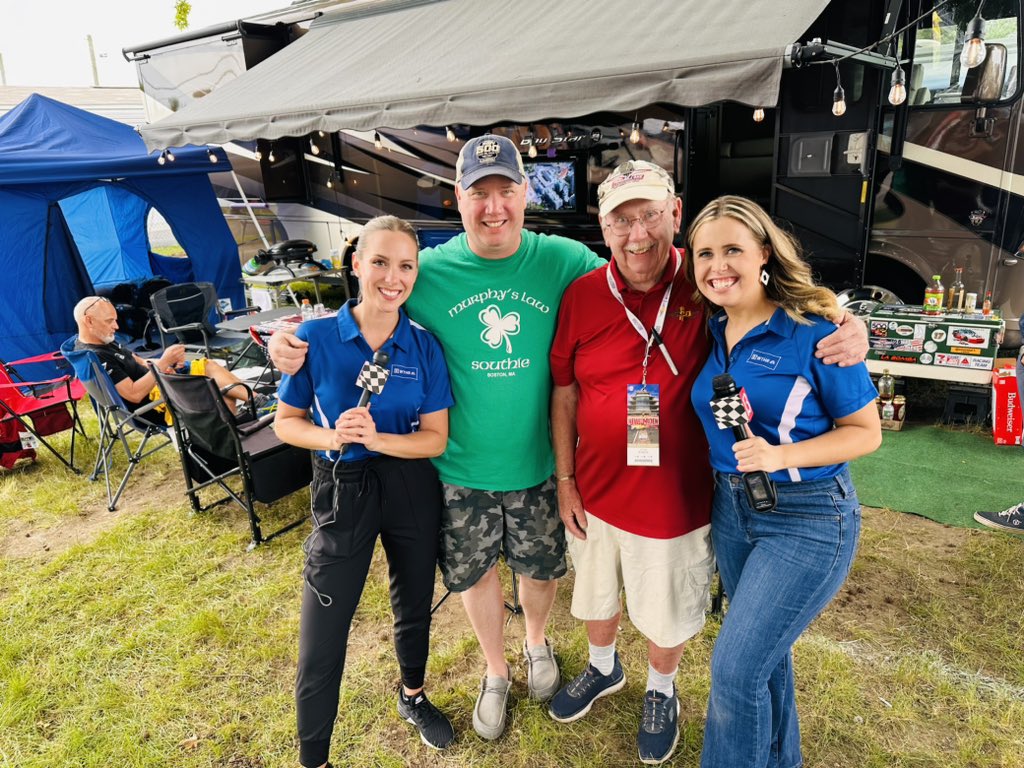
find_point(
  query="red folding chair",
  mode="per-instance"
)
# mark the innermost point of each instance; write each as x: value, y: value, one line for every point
x: 32, y: 410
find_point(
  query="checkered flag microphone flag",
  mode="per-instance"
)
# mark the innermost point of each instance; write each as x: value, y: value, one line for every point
x: 729, y: 406
x: 374, y: 376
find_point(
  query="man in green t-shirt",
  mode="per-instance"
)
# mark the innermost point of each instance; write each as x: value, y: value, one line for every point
x: 491, y: 297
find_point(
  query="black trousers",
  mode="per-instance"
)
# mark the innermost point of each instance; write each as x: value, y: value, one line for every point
x: 400, y: 501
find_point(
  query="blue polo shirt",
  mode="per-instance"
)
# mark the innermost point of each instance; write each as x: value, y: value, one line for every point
x: 793, y: 394
x: 326, y: 383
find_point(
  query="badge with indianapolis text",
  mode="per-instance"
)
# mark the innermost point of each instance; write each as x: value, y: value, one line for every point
x: 643, y: 420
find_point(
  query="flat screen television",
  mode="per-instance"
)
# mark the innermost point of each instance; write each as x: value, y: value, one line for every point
x: 555, y: 185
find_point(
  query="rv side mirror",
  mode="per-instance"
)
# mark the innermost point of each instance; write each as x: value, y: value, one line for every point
x: 984, y: 83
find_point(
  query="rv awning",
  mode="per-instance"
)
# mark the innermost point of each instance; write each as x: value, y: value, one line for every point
x: 402, y: 63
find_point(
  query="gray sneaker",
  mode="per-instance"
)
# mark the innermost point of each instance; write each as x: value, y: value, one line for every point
x: 491, y: 707
x: 542, y: 677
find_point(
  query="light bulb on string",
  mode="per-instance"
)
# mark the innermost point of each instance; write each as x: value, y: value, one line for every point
x: 170, y: 155
x: 838, y: 97
x: 313, y: 147
x: 759, y: 115
x: 634, y: 134
x: 257, y: 154
x: 665, y: 127
x: 161, y: 160
x: 897, y: 87
x: 378, y: 143
x: 212, y: 155
x: 532, y: 142
x: 449, y: 133
x: 271, y: 155
x: 973, y: 52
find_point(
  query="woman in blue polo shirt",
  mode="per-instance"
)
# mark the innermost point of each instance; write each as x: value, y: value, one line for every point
x: 780, y: 568
x: 372, y: 477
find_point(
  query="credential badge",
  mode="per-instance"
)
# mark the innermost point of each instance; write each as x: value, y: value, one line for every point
x: 487, y: 151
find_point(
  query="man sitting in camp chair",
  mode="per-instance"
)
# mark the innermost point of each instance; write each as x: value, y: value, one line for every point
x: 97, y: 322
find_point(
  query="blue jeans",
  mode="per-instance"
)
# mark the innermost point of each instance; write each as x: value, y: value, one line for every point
x: 779, y: 569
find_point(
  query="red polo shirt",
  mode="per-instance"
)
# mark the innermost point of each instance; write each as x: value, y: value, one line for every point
x: 597, y: 347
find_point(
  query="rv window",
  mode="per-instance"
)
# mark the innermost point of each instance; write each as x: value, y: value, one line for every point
x: 937, y: 77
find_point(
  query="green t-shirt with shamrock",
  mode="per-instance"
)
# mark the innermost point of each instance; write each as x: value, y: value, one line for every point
x: 495, y: 319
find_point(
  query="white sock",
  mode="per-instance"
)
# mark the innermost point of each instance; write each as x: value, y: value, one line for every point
x: 659, y: 682
x: 602, y: 657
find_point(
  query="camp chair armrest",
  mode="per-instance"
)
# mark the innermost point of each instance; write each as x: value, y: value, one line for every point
x: 24, y: 384
x: 187, y: 327
x: 251, y: 427
x: 147, y: 407
x: 49, y: 357
x: 241, y: 311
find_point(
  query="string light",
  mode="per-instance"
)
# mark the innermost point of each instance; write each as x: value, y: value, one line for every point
x: 759, y: 115
x: 665, y: 127
x: 532, y: 151
x: 449, y: 133
x: 212, y: 155
x: 257, y: 154
x: 378, y: 143
x: 170, y: 155
x: 271, y: 156
x: 161, y: 159
x: 838, y: 96
x: 973, y: 52
x: 897, y: 86
x: 313, y: 147
x: 634, y: 134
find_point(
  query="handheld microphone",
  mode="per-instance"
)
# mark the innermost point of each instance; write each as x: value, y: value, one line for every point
x: 731, y: 408
x: 371, y: 379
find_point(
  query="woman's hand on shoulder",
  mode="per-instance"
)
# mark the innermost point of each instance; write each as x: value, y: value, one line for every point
x: 756, y: 453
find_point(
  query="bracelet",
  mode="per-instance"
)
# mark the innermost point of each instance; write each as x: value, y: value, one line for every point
x: 563, y: 478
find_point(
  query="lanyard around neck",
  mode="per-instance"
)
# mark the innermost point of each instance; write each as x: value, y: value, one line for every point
x: 659, y: 321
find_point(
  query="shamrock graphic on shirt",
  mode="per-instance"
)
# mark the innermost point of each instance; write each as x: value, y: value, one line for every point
x: 498, y: 327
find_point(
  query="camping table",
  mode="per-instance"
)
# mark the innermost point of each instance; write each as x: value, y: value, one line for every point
x: 279, y: 280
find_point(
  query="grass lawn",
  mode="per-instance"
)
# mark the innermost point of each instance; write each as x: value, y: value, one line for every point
x: 150, y: 637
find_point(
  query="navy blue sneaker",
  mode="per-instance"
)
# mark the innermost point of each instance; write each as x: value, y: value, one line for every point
x: 659, y: 727
x: 575, y: 699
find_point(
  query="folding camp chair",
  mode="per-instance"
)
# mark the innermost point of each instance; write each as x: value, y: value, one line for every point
x: 119, y: 425
x: 216, y: 446
x: 183, y: 311
x: 32, y: 410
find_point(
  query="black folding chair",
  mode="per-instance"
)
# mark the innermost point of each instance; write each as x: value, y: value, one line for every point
x: 119, y: 425
x: 182, y: 313
x: 216, y: 447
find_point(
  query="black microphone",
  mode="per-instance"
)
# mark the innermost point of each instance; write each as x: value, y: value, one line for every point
x: 731, y: 408
x: 371, y: 379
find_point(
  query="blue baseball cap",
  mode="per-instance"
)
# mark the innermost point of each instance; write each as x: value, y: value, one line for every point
x: 488, y: 155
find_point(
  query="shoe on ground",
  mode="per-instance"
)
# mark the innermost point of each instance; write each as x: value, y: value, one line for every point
x: 1011, y: 520
x: 491, y: 707
x: 435, y: 728
x: 659, y: 727
x: 542, y: 676
x: 577, y: 697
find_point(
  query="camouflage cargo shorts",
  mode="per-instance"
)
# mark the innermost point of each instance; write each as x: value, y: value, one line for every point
x: 477, y: 526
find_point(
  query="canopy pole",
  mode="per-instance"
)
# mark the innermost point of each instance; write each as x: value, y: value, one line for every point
x: 248, y: 207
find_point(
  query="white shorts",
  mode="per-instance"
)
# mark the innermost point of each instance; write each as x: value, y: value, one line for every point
x: 667, y: 581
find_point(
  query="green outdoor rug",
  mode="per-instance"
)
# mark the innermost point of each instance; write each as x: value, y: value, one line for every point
x: 940, y: 473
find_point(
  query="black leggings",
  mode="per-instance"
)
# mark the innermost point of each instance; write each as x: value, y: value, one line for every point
x: 400, y: 501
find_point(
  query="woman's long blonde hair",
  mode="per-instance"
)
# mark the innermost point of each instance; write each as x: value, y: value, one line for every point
x: 790, y: 282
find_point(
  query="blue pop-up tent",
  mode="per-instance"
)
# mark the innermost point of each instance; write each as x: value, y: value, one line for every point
x: 75, y: 193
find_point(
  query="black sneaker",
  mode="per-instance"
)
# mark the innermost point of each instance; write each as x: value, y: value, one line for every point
x: 1011, y: 520
x: 575, y: 699
x: 435, y: 728
x: 659, y: 727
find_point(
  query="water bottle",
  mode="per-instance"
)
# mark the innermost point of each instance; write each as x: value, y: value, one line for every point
x: 319, y: 310
x: 307, y: 310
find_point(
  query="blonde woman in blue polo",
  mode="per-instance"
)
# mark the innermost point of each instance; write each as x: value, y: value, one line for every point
x: 782, y: 567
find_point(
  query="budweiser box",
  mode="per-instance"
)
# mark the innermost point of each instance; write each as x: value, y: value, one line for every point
x: 905, y: 334
x: 1006, y: 406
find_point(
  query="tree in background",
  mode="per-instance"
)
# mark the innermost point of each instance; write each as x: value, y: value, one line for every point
x: 182, y: 8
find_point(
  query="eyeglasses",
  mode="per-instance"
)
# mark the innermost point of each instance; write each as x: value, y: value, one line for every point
x: 621, y: 225
x: 94, y: 302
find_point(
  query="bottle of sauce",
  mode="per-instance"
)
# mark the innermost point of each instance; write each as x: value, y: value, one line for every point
x: 955, y: 302
x: 986, y: 305
x: 934, y: 296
